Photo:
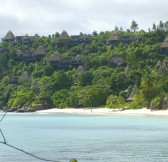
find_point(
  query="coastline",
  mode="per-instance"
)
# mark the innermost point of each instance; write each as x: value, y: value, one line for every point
x: 107, y: 111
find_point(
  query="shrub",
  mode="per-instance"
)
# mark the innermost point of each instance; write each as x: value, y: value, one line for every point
x: 115, y: 101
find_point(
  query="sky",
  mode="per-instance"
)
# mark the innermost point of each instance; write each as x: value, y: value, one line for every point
x: 46, y: 17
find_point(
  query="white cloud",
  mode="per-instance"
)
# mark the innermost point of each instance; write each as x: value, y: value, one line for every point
x: 49, y: 16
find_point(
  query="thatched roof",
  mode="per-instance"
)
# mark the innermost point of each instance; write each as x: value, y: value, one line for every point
x: 133, y: 91
x: 80, y: 68
x: 78, y: 58
x: 40, y: 51
x: 19, y: 52
x: 115, y: 37
x: 25, y: 76
x: 117, y: 60
x: 55, y: 57
x: 165, y: 43
x: 9, y: 36
x: 64, y: 36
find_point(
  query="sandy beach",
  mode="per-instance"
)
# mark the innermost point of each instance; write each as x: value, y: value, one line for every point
x: 107, y: 111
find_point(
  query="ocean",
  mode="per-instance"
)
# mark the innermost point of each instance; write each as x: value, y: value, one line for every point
x: 87, y: 138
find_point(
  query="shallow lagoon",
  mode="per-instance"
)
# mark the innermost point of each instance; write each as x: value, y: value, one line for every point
x: 88, y: 138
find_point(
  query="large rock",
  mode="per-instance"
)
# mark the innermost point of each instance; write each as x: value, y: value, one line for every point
x: 162, y: 67
x: 156, y: 103
x: 13, y: 109
x: 29, y: 109
x: 165, y: 103
x: 38, y: 107
x: 159, y: 103
x: 20, y: 110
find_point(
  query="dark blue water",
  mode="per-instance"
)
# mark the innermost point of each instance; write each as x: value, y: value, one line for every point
x: 88, y: 138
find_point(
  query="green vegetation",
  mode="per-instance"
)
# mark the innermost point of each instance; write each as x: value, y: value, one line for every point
x: 109, y: 71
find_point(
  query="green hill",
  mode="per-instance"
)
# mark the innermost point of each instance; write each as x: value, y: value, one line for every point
x: 107, y: 69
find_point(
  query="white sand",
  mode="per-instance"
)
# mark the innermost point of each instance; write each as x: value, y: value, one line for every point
x: 143, y: 111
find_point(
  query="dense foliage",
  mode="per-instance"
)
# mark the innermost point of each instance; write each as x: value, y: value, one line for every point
x: 102, y: 83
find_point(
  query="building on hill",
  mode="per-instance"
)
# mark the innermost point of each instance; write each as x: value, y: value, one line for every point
x: 77, y: 61
x: 85, y: 38
x: 63, y: 39
x: 55, y: 58
x: 26, y: 39
x: 114, y: 39
x: 66, y: 62
x: 75, y: 40
x: 16, y: 79
x: 9, y: 37
x: 40, y: 52
x: 25, y: 56
x: 117, y: 61
x: 29, y: 56
x: 24, y: 76
x: 78, y: 58
x: 80, y: 69
x: 164, y: 47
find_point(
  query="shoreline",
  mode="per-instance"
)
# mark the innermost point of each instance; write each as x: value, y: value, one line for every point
x: 106, y: 111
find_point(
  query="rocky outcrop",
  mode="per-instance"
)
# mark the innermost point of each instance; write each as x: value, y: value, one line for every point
x: 165, y: 103
x: 28, y: 109
x: 133, y: 92
x: 156, y: 103
x: 162, y: 67
x: 159, y: 103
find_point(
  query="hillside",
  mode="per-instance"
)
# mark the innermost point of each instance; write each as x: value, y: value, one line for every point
x: 106, y: 69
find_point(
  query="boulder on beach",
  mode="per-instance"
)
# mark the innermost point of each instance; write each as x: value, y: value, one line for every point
x: 159, y: 103
x: 165, y: 103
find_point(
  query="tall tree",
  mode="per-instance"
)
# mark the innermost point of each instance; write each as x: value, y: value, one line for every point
x: 116, y: 29
x: 154, y: 26
x: 161, y: 25
x: 166, y: 25
x: 134, y: 26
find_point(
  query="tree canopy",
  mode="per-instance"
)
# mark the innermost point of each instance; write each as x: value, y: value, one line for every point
x: 95, y: 70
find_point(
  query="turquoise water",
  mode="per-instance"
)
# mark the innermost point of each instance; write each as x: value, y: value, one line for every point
x: 88, y: 138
